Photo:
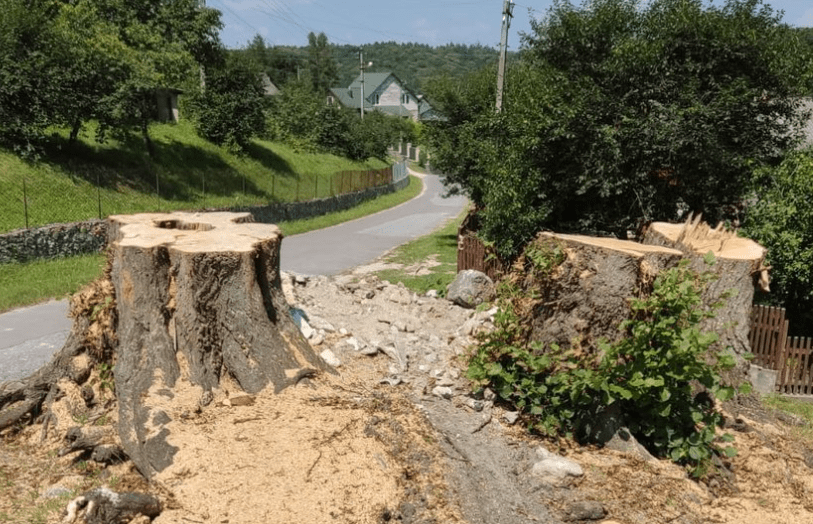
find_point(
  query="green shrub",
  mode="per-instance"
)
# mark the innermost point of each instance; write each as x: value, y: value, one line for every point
x: 781, y: 219
x: 652, y: 378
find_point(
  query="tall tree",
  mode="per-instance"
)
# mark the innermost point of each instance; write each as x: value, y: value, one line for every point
x: 65, y: 63
x: 621, y: 112
x: 322, y: 67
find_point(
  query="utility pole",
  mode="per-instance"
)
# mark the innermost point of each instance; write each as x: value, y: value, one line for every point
x: 507, y: 14
x: 362, y: 66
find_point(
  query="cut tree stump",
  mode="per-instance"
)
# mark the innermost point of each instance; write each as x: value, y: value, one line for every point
x: 739, y: 267
x: 199, y: 302
x: 588, y: 294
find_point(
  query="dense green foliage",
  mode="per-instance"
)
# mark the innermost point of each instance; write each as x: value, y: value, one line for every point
x: 322, y: 68
x: 781, y: 219
x: 301, y: 117
x: 230, y: 110
x: 65, y: 63
x: 647, y: 380
x: 621, y: 112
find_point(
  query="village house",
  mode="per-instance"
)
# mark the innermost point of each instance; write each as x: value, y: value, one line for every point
x: 383, y: 92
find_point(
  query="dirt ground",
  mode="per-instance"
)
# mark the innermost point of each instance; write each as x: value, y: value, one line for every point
x: 395, y: 436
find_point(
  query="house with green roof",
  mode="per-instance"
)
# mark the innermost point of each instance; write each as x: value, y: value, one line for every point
x: 383, y: 92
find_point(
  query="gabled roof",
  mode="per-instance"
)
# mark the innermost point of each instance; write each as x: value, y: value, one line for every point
x: 349, y: 97
x: 372, y: 81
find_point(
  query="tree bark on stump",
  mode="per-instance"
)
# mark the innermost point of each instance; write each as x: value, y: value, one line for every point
x: 199, y: 299
x: 738, y: 268
x: 587, y: 295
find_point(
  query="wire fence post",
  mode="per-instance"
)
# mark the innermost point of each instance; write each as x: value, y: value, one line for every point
x: 25, y: 202
x: 99, y: 193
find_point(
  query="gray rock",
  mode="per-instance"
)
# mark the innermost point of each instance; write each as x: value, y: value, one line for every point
x: 442, y: 392
x: 370, y: 351
x: 511, y: 417
x: 329, y: 357
x: 432, y: 293
x: 317, y: 339
x: 608, y: 430
x: 392, y: 380
x: 474, y: 404
x: 623, y: 441
x: 471, y: 288
x: 554, y: 469
x: 585, y: 510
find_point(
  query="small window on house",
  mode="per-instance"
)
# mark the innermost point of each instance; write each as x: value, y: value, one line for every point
x: 330, y: 100
x: 376, y: 99
x: 405, y: 98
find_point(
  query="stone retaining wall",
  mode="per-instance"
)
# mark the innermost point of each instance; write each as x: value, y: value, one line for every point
x: 61, y: 240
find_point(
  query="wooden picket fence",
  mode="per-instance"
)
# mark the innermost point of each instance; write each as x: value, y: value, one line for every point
x: 472, y: 253
x: 791, y: 357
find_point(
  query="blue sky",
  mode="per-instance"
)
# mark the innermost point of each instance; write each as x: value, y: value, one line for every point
x: 433, y: 22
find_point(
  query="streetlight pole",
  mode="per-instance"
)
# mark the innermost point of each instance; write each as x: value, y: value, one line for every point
x: 507, y: 13
x: 362, y: 66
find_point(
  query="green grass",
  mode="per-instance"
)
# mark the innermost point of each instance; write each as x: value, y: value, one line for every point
x: 801, y: 408
x: 439, y: 247
x: 87, y: 179
x: 34, y: 282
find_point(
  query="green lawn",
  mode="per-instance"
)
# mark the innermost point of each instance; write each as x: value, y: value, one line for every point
x: 88, y: 179
x: 34, y: 282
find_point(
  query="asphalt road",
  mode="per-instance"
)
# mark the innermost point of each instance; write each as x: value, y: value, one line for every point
x: 29, y: 336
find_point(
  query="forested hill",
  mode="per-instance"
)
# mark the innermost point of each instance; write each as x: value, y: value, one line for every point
x: 412, y: 63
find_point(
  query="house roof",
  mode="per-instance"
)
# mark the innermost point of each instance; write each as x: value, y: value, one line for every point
x: 372, y: 81
x: 349, y: 97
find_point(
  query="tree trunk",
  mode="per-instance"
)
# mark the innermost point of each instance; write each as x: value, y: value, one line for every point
x: 199, y: 300
x: 738, y: 267
x: 586, y: 296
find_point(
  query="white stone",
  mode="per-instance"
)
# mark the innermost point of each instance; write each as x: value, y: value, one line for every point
x: 442, y: 392
x: 330, y: 358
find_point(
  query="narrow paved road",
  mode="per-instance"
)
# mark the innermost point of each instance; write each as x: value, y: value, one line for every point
x: 29, y: 336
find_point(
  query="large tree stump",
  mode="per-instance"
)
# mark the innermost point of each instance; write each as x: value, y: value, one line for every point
x: 738, y: 267
x: 587, y: 295
x: 199, y: 299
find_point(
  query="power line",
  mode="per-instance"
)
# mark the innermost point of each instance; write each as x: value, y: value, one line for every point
x: 256, y: 31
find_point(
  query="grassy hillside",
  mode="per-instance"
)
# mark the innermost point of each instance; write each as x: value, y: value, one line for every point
x: 87, y: 179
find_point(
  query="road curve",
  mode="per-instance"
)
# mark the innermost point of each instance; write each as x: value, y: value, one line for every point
x: 30, y: 335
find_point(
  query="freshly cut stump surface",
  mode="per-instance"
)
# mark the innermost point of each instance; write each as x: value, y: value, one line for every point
x: 739, y: 266
x: 199, y: 302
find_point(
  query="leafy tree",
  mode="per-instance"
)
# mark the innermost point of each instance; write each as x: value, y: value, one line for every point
x: 321, y: 65
x: 63, y: 63
x: 781, y: 219
x: 230, y: 110
x: 25, y: 86
x: 618, y: 113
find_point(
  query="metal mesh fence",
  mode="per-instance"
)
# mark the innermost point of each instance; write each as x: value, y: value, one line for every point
x: 31, y: 201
